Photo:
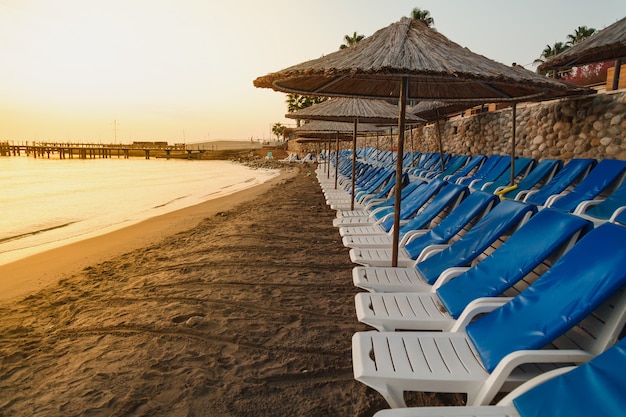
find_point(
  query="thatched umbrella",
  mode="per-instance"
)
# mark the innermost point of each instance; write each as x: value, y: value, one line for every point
x: 606, y: 45
x: 340, y: 130
x: 355, y: 110
x: 410, y: 61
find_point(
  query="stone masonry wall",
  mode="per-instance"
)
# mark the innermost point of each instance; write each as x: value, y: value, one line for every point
x: 591, y: 127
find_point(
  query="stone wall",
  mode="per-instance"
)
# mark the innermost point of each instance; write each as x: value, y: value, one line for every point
x: 591, y: 127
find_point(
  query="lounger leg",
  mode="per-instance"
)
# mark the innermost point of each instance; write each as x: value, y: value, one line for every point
x: 394, y: 397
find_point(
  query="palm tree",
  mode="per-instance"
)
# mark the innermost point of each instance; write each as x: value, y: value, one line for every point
x: 580, y: 34
x: 424, y: 15
x: 549, y: 52
x: 351, y: 40
x: 296, y: 102
x: 279, y: 130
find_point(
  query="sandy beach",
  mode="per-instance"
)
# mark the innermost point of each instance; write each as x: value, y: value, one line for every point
x: 241, y: 306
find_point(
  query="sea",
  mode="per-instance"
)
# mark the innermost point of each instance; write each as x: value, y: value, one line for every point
x: 47, y: 203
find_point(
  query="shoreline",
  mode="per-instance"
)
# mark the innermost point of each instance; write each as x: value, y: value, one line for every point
x: 35, y: 272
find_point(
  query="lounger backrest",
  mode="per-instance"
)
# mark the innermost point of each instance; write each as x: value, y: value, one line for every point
x: 446, y: 197
x: 384, y: 191
x: 566, y: 176
x: 536, y: 175
x: 491, y: 163
x: 537, y: 239
x: 503, y: 165
x: 595, y: 388
x: 582, y: 279
x: 409, y: 207
x: 497, y: 222
x: 406, y: 192
x: 455, y: 163
x: 521, y: 167
x: 602, y: 176
x: 475, y: 163
x: 473, y: 206
x: 605, y: 209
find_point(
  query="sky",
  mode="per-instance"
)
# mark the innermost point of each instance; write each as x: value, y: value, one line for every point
x: 118, y: 71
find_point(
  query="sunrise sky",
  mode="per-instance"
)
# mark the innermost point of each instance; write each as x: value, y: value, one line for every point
x: 182, y: 70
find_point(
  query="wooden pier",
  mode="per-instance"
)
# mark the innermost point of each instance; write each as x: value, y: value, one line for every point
x: 90, y: 150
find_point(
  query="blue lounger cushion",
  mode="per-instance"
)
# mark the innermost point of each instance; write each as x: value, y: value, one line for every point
x: 569, y: 291
x: 513, y: 260
x: 500, y: 219
x: 472, y: 206
x: 606, y: 172
x: 596, y: 388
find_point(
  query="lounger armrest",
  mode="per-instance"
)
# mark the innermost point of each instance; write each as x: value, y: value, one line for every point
x: 371, y: 203
x: 507, y: 365
x: 378, y: 209
x: 478, y: 306
x: 461, y: 179
x: 523, y: 195
x: 583, y: 206
x: 412, y: 234
x: 382, y: 219
x: 486, y: 184
x: 507, y: 400
x: 429, y: 251
x: 447, y: 275
x: 471, y: 184
x: 550, y: 200
x: 616, y: 213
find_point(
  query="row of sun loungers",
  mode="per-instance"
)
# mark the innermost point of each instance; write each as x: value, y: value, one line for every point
x: 498, y: 288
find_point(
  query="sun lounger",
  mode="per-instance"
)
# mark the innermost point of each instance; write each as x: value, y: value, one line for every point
x: 488, y: 355
x: 600, y: 211
x: 522, y: 167
x: 569, y: 174
x: 595, y: 388
x: 466, y: 170
x: 387, y: 279
x: 548, y: 233
x: 380, y: 236
x: 542, y: 173
x: 408, y: 207
x: 420, y: 253
x: 494, y: 165
x: 608, y: 173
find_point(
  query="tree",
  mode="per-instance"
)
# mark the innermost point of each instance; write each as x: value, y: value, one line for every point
x: 279, y: 130
x: 351, y: 40
x: 579, y: 35
x: 297, y: 102
x: 424, y: 15
x: 549, y: 52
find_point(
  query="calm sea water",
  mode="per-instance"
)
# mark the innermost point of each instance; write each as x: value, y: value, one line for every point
x: 46, y: 203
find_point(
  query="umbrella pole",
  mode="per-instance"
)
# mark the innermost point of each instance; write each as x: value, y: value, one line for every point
x: 404, y: 87
x: 440, y: 143
x: 513, y: 144
x: 328, y: 157
x: 336, y: 159
x: 412, y: 147
x: 377, y: 149
x: 353, y: 163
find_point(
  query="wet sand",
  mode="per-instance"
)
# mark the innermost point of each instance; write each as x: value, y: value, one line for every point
x: 242, y: 307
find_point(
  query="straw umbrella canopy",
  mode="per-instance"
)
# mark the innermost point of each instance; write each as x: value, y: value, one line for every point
x: 606, y: 45
x: 410, y: 61
x: 355, y: 110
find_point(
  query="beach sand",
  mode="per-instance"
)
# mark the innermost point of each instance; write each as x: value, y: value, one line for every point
x: 242, y: 306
